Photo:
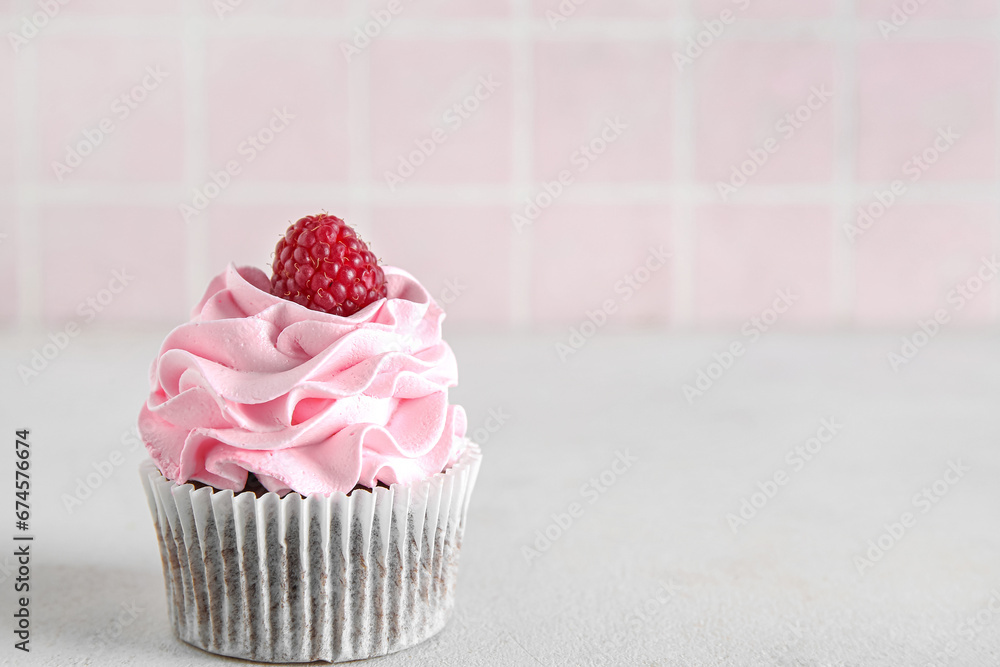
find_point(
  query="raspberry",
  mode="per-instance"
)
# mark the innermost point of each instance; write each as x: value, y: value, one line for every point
x: 322, y: 264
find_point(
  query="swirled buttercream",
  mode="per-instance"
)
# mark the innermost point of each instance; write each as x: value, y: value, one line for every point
x: 307, y: 401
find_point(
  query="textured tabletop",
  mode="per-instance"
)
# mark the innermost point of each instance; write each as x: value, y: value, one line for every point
x: 807, y: 506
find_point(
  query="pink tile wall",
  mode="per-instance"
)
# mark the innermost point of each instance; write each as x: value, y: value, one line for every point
x: 416, y: 94
x: 83, y: 246
x: 571, y: 9
x: 914, y: 258
x: 278, y: 107
x: 8, y: 264
x: 908, y: 91
x: 227, y: 9
x: 461, y: 254
x: 580, y: 87
x: 767, y: 9
x: 752, y: 93
x: 953, y: 9
x: 746, y: 254
x: 8, y: 121
x: 132, y: 86
x: 451, y: 8
x: 582, y: 255
x: 122, y: 8
x: 452, y: 122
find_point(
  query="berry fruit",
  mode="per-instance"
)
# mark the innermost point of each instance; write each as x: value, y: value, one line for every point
x: 322, y: 264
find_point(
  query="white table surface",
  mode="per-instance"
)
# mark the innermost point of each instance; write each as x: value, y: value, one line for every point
x: 650, y: 573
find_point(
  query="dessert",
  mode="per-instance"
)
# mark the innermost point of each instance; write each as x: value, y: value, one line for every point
x: 309, y: 480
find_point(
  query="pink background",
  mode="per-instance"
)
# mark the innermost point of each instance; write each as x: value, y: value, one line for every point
x: 451, y: 222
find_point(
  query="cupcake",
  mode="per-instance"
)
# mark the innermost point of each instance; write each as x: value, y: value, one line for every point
x: 309, y: 480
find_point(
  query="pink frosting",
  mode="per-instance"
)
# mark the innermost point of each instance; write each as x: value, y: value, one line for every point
x: 307, y: 401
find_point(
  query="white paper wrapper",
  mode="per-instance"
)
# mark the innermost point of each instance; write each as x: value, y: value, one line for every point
x: 320, y: 578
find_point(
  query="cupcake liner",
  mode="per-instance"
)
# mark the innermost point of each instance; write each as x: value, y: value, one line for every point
x: 296, y: 579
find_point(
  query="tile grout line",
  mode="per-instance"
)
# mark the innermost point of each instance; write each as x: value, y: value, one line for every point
x: 581, y: 28
x: 996, y: 211
x: 28, y: 245
x: 649, y: 192
x: 843, y: 269
x: 361, y: 180
x: 522, y: 47
x: 820, y: 192
x: 682, y: 224
x: 196, y: 160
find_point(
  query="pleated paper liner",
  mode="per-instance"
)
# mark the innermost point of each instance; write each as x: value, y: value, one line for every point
x: 298, y: 579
